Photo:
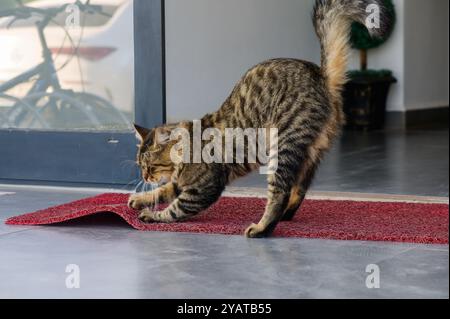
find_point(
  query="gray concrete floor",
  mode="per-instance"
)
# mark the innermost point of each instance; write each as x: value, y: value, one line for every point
x: 118, y: 262
x: 397, y: 162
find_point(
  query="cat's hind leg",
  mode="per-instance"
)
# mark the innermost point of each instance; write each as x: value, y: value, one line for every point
x: 277, y: 203
x: 280, y: 185
x: 298, y: 192
x: 295, y: 201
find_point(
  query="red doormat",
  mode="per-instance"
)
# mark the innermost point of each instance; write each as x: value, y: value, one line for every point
x: 340, y: 220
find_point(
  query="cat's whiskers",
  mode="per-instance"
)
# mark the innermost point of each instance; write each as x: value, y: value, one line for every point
x: 128, y: 163
x: 155, y: 198
x: 132, y: 183
x: 138, y: 187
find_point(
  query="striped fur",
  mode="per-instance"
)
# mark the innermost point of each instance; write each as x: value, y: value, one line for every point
x: 302, y: 100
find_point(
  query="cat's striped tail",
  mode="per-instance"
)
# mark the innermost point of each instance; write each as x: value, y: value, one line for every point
x: 332, y: 21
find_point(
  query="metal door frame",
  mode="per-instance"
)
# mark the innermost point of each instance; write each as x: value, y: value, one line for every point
x: 89, y: 158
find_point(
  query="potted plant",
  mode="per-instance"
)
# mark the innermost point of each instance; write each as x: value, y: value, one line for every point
x: 366, y: 93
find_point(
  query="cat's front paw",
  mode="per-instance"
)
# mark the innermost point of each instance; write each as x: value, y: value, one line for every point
x: 147, y: 216
x: 137, y: 202
x: 255, y: 231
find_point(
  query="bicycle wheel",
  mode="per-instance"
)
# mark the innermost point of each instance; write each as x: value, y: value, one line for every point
x: 11, y: 107
x: 67, y: 110
x: 60, y: 111
x: 110, y: 117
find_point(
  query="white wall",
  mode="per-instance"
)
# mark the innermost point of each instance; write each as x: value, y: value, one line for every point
x: 418, y: 54
x: 426, y: 53
x: 390, y: 56
x: 211, y: 43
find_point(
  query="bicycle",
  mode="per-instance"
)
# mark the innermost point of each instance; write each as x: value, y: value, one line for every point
x: 47, y: 105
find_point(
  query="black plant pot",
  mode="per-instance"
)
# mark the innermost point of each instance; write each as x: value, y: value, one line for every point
x: 365, y: 101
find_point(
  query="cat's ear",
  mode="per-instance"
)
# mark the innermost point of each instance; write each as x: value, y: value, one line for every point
x: 141, y: 132
x: 162, y: 135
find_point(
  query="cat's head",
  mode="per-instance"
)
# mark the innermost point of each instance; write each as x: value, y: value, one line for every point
x: 153, y: 155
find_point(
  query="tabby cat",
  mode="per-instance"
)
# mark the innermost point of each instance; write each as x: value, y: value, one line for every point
x: 302, y: 100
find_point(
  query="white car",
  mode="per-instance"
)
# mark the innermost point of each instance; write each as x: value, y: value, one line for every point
x: 104, y: 64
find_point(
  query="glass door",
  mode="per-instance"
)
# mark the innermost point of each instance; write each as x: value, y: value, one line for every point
x: 68, y: 92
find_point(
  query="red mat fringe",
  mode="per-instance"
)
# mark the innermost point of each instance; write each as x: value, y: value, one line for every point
x: 326, y: 219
